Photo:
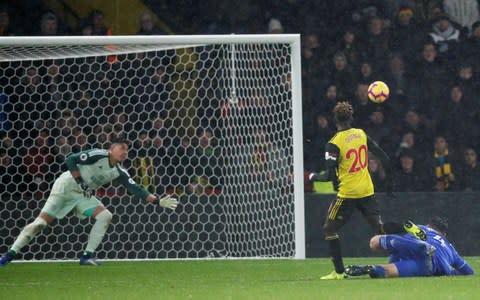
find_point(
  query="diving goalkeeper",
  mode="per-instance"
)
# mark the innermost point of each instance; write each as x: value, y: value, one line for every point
x: 74, y: 191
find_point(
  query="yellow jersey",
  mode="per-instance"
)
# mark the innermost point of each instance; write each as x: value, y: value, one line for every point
x: 347, y: 150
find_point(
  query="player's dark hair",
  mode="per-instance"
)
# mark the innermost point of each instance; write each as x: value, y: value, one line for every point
x: 439, y: 223
x: 119, y: 140
x: 343, y: 113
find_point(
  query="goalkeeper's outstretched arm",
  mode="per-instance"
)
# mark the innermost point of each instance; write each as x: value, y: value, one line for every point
x: 138, y: 191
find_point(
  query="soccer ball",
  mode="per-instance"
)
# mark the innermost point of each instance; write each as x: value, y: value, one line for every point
x: 378, y: 92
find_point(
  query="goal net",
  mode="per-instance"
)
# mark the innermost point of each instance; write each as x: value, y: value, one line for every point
x: 212, y: 120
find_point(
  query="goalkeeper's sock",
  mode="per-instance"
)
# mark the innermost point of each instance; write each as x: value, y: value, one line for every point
x: 98, y: 231
x: 27, y: 234
x: 336, y: 254
x: 87, y: 254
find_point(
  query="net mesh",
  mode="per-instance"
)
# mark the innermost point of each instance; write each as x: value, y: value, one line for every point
x: 210, y: 124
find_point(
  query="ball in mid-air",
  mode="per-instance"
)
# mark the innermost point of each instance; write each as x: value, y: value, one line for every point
x: 378, y: 91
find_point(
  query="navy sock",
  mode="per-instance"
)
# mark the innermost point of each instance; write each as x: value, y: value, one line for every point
x: 336, y: 254
x: 378, y: 272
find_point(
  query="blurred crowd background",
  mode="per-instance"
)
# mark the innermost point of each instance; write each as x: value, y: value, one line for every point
x: 427, y: 51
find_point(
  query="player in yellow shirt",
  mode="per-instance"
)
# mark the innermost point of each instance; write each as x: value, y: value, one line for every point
x: 346, y: 156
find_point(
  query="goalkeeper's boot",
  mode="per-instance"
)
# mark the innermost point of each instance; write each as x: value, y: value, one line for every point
x: 334, y: 276
x: 6, y: 259
x: 89, y: 260
x: 357, y: 270
x: 414, y: 230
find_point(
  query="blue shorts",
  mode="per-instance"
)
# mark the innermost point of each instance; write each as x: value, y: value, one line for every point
x: 408, y: 254
x: 414, y: 267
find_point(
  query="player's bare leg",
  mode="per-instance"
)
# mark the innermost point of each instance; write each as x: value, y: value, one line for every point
x: 103, y: 217
x: 25, y: 236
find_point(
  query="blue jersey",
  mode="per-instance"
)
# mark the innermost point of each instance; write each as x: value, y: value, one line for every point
x: 445, y: 259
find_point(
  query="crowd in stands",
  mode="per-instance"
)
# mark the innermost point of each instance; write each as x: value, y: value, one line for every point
x: 428, y: 52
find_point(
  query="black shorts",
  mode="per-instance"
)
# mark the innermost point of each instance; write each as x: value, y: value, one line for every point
x: 342, y: 208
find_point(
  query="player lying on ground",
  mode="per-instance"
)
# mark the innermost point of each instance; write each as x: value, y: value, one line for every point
x: 412, y: 257
x: 74, y: 191
x: 346, y: 157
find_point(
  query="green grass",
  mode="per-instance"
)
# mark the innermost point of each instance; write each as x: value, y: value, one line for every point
x: 220, y: 279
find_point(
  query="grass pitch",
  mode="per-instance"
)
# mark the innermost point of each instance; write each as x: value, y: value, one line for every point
x: 221, y: 279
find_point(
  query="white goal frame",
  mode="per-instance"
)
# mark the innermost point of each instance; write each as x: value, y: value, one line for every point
x: 293, y: 40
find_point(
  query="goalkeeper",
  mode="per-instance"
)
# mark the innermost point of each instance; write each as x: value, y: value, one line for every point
x: 74, y: 191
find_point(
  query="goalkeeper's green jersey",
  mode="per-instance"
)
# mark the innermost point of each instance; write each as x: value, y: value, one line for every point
x: 95, y: 168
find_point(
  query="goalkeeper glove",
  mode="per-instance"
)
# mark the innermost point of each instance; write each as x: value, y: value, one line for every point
x: 168, y: 202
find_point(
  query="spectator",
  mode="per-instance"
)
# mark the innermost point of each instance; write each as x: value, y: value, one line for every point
x: 5, y: 123
x: 430, y: 79
x: 463, y: 12
x: 38, y: 161
x: 312, y: 68
x: 470, y: 171
x: 5, y: 25
x: 349, y: 45
x: 86, y: 29
x: 9, y: 174
x: 470, y: 49
x: 206, y: 161
x: 376, y: 40
x: 413, y: 123
x: 315, y: 144
x: 142, y: 164
x: 147, y: 27
x: 393, y: 7
x: 62, y: 148
x: 466, y: 81
x: 425, y: 11
x: 409, y: 178
x: 445, y: 36
x: 49, y: 24
x: 378, y: 174
x: 275, y: 26
x: 443, y: 165
x: 362, y: 106
x: 396, y: 76
x: 409, y: 144
x: 326, y: 105
x: 377, y: 128
x: 455, y: 117
x: 97, y: 19
x: 404, y: 32
x: 366, y: 74
x: 341, y: 75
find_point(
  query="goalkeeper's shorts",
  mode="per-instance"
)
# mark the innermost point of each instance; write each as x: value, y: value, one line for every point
x: 65, y: 198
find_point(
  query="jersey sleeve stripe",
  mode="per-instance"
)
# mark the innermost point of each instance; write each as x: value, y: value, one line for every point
x: 124, y: 171
x: 98, y: 153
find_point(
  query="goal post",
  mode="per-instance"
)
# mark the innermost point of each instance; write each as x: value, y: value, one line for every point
x: 214, y: 119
